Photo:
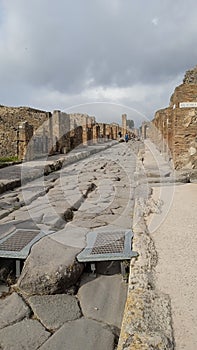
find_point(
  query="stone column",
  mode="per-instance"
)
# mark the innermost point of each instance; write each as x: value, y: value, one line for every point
x: 85, y: 131
x: 114, y: 132
x: 108, y: 132
x: 24, y: 144
x: 56, y: 130
x: 124, y: 124
x: 96, y: 133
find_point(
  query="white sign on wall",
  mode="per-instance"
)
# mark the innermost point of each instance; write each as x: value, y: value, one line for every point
x: 188, y: 105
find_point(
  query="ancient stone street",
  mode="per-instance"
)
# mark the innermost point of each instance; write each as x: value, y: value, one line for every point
x: 54, y: 295
x: 59, y: 300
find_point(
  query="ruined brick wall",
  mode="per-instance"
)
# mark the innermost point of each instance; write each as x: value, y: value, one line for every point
x: 58, y: 132
x: 184, y: 145
x: 10, y: 118
x: 191, y: 76
x: 176, y: 127
x: 183, y: 93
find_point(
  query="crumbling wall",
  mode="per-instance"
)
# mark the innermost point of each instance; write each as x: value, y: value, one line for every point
x: 174, y: 129
x: 58, y: 132
x: 10, y: 118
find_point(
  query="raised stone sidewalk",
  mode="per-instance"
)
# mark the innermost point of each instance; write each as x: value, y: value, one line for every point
x: 161, y: 310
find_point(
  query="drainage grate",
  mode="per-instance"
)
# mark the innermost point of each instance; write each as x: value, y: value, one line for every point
x: 17, y: 244
x: 108, y: 245
x: 18, y: 241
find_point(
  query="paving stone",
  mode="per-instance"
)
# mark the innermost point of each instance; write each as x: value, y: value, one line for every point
x: 6, y: 228
x: 50, y: 268
x: 107, y: 295
x: 81, y: 334
x: 12, y: 309
x: 71, y: 235
x: 123, y: 221
x: 54, y: 310
x: 27, y: 335
x: 3, y: 289
x: 53, y: 220
x: 89, y: 223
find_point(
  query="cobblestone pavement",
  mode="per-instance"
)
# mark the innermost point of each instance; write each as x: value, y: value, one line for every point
x: 53, y: 299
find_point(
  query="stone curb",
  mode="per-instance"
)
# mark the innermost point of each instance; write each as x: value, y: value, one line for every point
x: 147, y: 322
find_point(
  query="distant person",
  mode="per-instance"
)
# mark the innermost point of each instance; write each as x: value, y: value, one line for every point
x: 126, y: 137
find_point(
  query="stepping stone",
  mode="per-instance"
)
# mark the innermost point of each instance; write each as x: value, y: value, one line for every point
x: 50, y: 268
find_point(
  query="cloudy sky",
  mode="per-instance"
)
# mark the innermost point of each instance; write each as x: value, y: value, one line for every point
x: 103, y: 57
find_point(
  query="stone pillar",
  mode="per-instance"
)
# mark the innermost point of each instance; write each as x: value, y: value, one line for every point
x: 24, y: 146
x: 85, y: 131
x: 60, y: 126
x: 96, y: 133
x: 108, y: 132
x: 50, y: 142
x: 114, y: 132
x: 102, y: 131
x: 124, y: 124
x: 90, y: 121
x: 56, y: 130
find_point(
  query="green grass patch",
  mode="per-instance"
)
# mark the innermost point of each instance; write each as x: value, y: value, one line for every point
x: 8, y: 159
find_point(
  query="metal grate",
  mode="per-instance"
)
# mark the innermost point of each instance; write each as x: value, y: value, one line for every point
x: 108, y: 245
x: 18, y: 241
x: 17, y: 244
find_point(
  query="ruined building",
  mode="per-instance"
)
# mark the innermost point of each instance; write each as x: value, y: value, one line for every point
x: 30, y: 133
x: 174, y: 129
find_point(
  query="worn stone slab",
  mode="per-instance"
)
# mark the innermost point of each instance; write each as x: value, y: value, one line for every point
x: 54, y: 310
x: 27, y: 334
x: 6, y: 228
x: 3, y: 289
x: 71, y: 236
x: 21, y: 214
x: 53, y: 220
x: 123, y: 221
x: 108, y: 297
x: 89, y: 224
x: 50, y: 268
x: 12, y: 309
x: 81, y: 334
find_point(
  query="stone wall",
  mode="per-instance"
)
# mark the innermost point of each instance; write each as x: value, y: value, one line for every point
x: 10, y: 118
x: 29, y: 133
x: 174, y: 129
x: 191, y: 76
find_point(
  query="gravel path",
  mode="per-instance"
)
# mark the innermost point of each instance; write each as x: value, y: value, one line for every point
x: 176, y: 272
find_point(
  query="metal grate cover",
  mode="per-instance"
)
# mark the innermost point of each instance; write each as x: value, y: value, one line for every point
x: 108, y: 245
x: 18, y: 241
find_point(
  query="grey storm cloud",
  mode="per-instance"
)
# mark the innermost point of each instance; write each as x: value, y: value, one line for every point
x: 69, y: 52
